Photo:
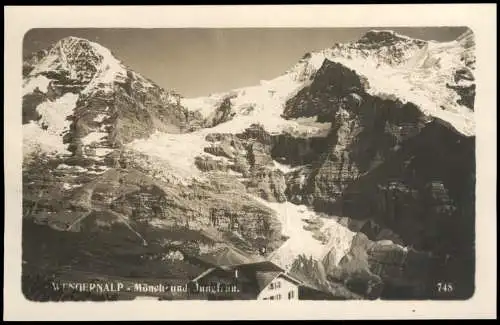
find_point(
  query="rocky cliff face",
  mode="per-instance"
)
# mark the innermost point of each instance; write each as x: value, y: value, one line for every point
x: 385, y: 160
x: 354, y: 170
x: 131, y: 201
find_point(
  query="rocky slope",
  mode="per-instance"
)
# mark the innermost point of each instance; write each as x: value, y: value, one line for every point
x: 354, y: 170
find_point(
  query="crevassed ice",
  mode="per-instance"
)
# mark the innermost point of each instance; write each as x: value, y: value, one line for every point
x: 421, y: 80
x: 40, y: 82
x: 267, y: 99
x: 46, y: 133
x: 301, y: 241
x: 100, y: 117
x: 55, y: 114
x: 35, y: 138
x: 93, y: 137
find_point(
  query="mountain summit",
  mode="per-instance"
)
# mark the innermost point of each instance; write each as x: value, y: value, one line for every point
x: 77, y: 93
x: 435, y: 76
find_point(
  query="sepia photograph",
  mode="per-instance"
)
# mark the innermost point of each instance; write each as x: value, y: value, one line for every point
x: 251, y: 163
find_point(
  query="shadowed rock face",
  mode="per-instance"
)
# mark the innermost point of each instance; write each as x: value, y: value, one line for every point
x: 295, y: 151
x: 222, y: 114
x: 464, y: 87
x: 384, y: 161
x: 331, y: 83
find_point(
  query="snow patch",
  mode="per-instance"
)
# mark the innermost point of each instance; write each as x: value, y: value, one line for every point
x: 234, y: 173
x: 102, y: 152
x: 302, y: 180
x: 55, y: 114
x: 177, y: 150
x: 46, y: 133
x: 151, y: 157
x: 285, y: 168
x: 95, y: 172
x: 75, y: 169
x: 68, y: 187
x: 204, y: 105
x: 301, y: 241
x: 100, y: 117
x: 40, y: 82
x: 93, y: 137
x: 36, y: 139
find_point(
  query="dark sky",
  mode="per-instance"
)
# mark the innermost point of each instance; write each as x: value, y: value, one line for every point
x: 199, y: 61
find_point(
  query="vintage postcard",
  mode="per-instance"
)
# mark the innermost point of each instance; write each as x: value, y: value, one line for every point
x: 205, y: 162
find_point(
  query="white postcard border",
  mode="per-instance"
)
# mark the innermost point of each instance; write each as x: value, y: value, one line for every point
x: 481, y: 18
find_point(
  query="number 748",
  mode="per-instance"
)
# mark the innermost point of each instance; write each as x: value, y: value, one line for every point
x: 444, y: 287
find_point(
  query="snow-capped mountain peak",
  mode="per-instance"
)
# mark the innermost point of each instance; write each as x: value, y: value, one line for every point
x: 71, y: 54
x: 435, y: 76
x: 466, y: 39
x: 376, y: 36
x: 79, y: 61
x: 77, y: 91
